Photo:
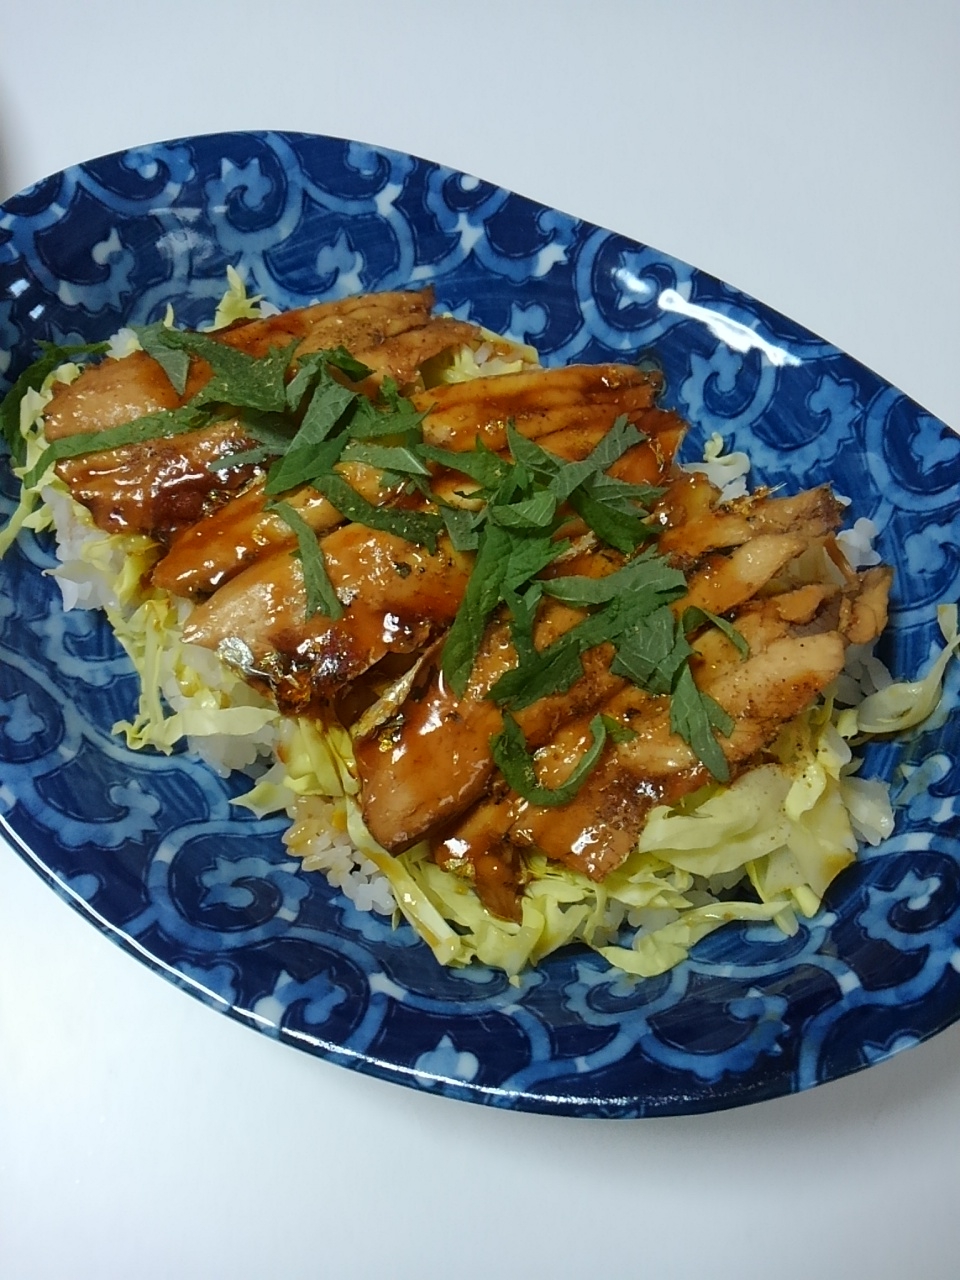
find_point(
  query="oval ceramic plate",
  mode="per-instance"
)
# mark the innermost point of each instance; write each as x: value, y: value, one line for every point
x: 149, y: 847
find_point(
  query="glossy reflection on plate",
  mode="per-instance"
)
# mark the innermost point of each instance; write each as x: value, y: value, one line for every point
x: 150, y: 849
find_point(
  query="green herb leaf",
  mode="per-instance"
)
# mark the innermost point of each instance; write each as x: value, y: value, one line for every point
x: 558, y: 666
x: 272, y: 433
x: 523, y: 612
x: 695, y: 716
x: 392, y: 419
x: 651, y: 652
x: 308, y: 466
x: 529, y: 513
x: 646, y: 581
x: 396, y: 458
x: 151, y: 426
x: 420, y: 527
x: 32, y: 378
x: 622, y: 496
x: 570, y: 475
x: 304, y: 459
x: 528, y: 555
x: 462, y: 527
x: 174, y: 361
x: 321, y: 596
x: 313, y: 364
x: 617, y: 732
x: 239, y: 379
x: 617, y: 529
x: 308, y: 370
x: 535, y: 460
x: 509, y: 751
x: 244, y: 458
x: 340, y: 358
x: 480, y: 464
x: 482, y: 595
x: 695, y: 617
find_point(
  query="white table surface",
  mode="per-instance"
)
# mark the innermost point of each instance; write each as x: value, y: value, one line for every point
x: 806, y: 152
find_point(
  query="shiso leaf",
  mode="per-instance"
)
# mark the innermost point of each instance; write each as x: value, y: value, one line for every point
x: 32, y: 379
x: 510, y: 754
x: 321, y: 596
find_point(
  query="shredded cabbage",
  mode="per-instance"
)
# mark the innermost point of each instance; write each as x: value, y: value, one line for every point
x: 728, y: 471
x: 906, y: 704
x: 786, y: 828
x: 236, y: 304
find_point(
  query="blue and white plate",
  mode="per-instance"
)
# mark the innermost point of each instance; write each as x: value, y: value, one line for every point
x: 149, y: 848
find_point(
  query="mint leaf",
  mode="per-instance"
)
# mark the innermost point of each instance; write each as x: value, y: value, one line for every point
x: 535, y: 460
x: 304, y: 458
x: 462, y: 527
x: 401, y: 459
x: 645, y: 583
x: 570, y: 475
x: 480, y: 464
x: 390, y: 418
x: 616, y: 528
x: 340, y: 358
x: 536, y: 512
x: 558, y: 666
x: 244, y: 458
x: 617, y: 732
x: 527, y: 556
x: 651, y: 652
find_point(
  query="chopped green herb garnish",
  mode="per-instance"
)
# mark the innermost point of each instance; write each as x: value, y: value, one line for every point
x: 484, y: 592
x: 414, y: 526
x: 652, y: 652
x: 152, y: 426
x: 396, y: 458
x: 695, y: 716
x: 240, y: 380
x: 647, y: 574
x: 529, y: 513
x: 487, y: 469
x: 174, y: 361
x: 556, y: 667
x: 316, y: 448
x: 510, y: 754
x: 695, y: 617
x: 321, y: 596
x: 32, y: 379
x: 523, y: 612
x: 618, y: 528
x: 616, y: 731
x: 462, y: 527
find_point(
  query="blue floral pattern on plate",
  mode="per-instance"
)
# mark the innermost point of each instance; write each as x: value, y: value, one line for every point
x: 150, y: 849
